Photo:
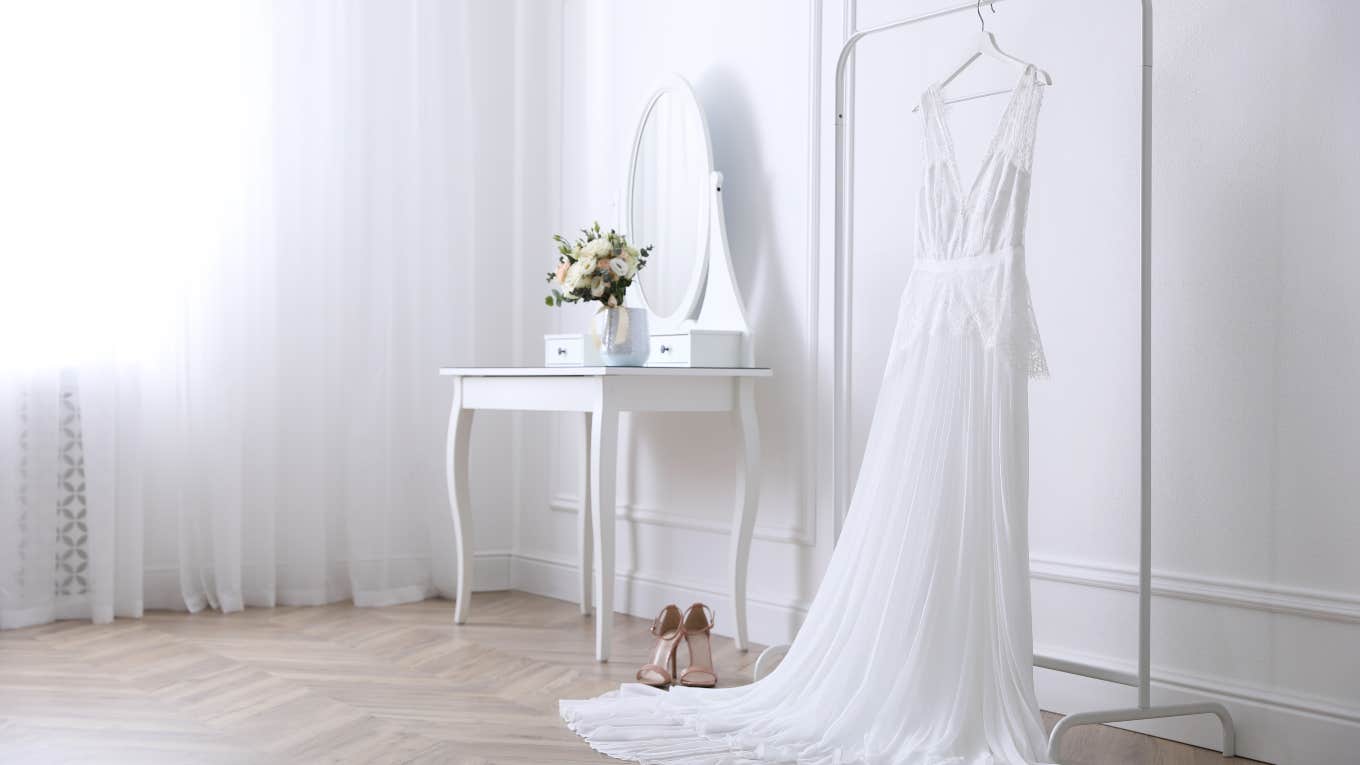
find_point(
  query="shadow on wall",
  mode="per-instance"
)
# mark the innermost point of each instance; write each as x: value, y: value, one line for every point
x: 772, y: 295
x: 772, y: 288
x: 747, y: 195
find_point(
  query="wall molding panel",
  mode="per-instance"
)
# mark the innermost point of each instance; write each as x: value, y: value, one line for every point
x: 648, y: 516
x: 1311, y: 604
x: 808, y: 473
x: 1306, y: 604
x: 1218, y: 686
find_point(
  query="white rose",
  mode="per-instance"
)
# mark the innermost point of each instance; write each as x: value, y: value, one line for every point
x: 597, y: 286
x: 634, y: 257
x: 598, y: 248
x: 578, y: 275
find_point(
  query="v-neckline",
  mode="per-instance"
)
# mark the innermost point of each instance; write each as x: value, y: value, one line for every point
x: 966, y: 200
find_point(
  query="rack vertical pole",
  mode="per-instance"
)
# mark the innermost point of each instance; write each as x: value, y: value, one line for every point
x: 1145, y: 380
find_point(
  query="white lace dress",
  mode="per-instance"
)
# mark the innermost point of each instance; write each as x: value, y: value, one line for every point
x: 917, y: 649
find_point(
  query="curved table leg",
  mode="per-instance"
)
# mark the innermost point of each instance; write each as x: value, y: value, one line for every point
x: 456, y: 473
x: 603, y: 439
x: 748, y: 499
x: 583, y: 526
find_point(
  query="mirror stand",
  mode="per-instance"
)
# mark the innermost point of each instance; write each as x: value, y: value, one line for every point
x: 717, y: 335
x: 673, y: 199
x: 717, y: 332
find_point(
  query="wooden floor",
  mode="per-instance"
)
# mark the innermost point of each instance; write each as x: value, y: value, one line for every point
x: 341, y: 684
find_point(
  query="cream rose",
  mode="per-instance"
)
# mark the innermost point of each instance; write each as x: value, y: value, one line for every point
x: 578, y: 275
x: 598, y: 248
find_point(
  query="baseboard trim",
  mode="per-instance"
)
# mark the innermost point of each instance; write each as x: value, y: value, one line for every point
x: 491, y: 570
x: 1272, y: 726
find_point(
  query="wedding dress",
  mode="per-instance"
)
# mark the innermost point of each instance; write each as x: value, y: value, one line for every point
x: 917, y: 649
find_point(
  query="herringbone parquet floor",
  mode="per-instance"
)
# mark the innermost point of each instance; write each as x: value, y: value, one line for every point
x: 342, y: 684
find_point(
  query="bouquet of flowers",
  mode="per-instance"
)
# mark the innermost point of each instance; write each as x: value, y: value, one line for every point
x: 600, y: 267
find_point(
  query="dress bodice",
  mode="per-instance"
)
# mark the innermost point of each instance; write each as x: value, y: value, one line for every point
x: 969, y: 272
x: 957, y: 221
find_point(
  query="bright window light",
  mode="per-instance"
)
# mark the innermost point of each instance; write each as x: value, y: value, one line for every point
x: 124, y: 135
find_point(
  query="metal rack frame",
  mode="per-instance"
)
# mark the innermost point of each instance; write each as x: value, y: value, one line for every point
x: 844, y: 163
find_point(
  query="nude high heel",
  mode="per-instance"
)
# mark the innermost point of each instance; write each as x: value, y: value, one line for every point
x: 661, y: 671
x: 697, y: 625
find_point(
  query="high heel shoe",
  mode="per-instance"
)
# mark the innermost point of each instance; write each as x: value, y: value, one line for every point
x: 660, y: 673
x: 697, y: 625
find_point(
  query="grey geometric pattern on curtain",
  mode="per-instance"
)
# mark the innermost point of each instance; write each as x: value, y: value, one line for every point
x: 23, y: 519
x: 72, y: 557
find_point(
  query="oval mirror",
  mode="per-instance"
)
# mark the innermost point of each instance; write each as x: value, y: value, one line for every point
x: 668, y: 200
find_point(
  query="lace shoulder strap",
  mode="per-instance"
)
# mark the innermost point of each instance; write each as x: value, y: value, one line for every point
x: 935, y: 139
x: 1016, y: 139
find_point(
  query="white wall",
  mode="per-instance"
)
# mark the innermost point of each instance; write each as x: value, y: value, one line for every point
x: 1257, y: 158
x: 515, y: 188
x: 673, y: 544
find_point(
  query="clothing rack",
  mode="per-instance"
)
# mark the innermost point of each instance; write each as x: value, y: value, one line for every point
x: 844, y: 161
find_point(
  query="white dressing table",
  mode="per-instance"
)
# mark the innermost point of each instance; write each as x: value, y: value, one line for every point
x: 702, y: 360
x: 601, y: 393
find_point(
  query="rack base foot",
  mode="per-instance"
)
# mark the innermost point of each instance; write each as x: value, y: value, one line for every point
x: 772, y: 655
x: 767, y: 660
x: 1100, y: 717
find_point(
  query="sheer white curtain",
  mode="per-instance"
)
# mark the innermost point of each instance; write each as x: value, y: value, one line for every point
x: 241, y: 245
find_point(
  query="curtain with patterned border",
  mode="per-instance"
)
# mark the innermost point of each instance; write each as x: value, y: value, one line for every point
x: 244, y: 238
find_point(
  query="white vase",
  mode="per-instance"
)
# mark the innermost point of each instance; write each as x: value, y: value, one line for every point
x: 621, y: 336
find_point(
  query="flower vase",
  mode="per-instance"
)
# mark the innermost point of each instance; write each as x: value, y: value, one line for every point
x: 621, y: 336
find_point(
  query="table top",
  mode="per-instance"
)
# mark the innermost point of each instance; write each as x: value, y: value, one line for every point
x: 606, y: 371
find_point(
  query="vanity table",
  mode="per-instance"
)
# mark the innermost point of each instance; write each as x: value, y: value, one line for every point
x: 701, y: 359
x: 601, y: 393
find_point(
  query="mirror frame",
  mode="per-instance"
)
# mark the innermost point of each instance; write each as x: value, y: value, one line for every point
x: 685, y: 312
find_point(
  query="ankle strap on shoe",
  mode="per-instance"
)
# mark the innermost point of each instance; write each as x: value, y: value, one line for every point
x: 709, y: 614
